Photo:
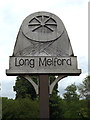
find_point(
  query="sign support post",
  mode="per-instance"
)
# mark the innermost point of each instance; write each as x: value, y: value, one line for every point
x: 44, y: 96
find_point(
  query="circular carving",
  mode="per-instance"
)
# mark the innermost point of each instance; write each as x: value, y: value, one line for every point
x: 42, y: 26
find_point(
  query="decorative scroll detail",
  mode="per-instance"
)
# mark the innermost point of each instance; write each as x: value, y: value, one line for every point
x: 36, y: 87
x: 32, y: 82
x: 56, y: 81
x: 46, y: 48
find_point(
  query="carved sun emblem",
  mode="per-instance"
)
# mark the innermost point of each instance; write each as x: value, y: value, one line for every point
x: 44, y: 24
x: 42, y: 27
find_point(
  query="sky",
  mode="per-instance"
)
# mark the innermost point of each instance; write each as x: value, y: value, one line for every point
x: 73, y: 13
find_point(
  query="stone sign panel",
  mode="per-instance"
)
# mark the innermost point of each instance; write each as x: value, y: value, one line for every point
x: 42, y: 47
x: 42, y: 34
x: 43, y: 65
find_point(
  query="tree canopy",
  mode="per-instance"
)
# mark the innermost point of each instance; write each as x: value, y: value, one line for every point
x: 71, y: 93
x: 26, y: 104
x: 23, y: 88
x: 84, y: 88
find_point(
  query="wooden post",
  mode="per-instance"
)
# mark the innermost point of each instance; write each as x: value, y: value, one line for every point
x: 44, y: 96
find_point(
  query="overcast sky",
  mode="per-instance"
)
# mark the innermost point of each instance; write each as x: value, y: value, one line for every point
x: 73, y: 13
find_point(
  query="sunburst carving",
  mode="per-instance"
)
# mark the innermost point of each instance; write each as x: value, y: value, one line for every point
x: 43, y: 24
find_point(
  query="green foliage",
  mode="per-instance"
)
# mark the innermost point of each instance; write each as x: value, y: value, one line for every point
x: 24, y: 88
x: 56, y: 107
x: 26, y: 104
x: 84, y: 88
x: 75, y: 108
x: 71, y: 93
x: 20, y: 109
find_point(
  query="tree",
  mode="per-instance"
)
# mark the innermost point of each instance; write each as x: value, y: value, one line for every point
x: 71, y: 93
x: 84, y: 88
x: 20, y: 109
x: 55, y: 102
x: 56, y: 106
x: 72, y: 103
x: 24, y: 88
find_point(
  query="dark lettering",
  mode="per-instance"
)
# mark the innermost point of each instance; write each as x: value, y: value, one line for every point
x: 42, y: 62
x: 49, y: 62
x: 69, y: 62
x: 21, y: 62
x: 16, y: 64
x: 63, y: 61
x: 59, y: 61
x: 32, y: 63
x: 55, y: 60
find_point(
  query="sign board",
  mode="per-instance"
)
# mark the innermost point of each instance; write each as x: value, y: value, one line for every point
x: 42, y: 34
x: 43, y: 65
x: 43, y: 47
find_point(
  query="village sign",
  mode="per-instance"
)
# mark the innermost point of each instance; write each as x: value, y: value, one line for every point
x: 43, y: 48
